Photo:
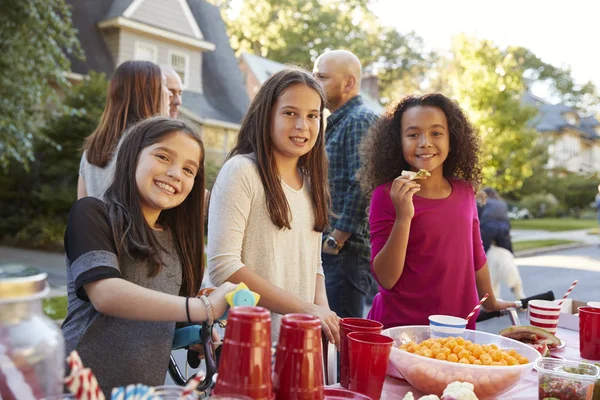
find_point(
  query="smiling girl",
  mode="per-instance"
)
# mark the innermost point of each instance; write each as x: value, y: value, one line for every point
x: 129, y: 257
x: 426, y: 249
x: 270, y: 202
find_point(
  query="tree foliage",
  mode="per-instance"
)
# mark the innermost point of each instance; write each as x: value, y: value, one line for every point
x: 297, y: 31
x: 488, y: 82
x: 35, y: 202
x: 35, y: 38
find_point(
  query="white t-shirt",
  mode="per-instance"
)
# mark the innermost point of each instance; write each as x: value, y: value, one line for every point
x: 97, y: 180
x: 241, y: 233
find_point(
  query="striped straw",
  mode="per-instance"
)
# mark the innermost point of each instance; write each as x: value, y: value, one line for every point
x: 478, y: 306
x: 74, y: 361
x: 568, y: 293
x: 192, y: 385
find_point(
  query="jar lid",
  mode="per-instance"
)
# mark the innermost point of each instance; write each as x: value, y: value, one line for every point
x: 18, y: 282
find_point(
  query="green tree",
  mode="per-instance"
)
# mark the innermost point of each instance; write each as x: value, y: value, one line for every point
x: 297, y: 31
x: 35, y: 38
x: 488, y: 82
x: 35, y: 203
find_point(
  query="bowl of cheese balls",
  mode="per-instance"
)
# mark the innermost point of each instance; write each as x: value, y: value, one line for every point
x: 492, y: 363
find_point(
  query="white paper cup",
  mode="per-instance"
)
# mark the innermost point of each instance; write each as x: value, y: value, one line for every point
x: 544, y: 314
x: 446, y: 325
x: 595, y: 304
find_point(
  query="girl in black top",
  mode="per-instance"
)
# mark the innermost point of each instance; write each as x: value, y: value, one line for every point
x: 130, y: 257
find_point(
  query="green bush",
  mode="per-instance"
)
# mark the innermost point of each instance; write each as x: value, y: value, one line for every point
x: 35, y: 203
x: 543, y: 205
x: 211, y: 170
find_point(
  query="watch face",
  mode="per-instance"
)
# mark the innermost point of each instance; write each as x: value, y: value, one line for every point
x: 331, y: 243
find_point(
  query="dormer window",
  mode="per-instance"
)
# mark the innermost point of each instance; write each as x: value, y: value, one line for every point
x: 572, y: 118
x: 180, y: 62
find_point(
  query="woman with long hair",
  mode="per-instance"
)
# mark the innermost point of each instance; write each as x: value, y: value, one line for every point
x: 136, y: 91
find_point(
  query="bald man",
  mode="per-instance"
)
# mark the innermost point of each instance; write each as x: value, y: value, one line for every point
x: 175, y: 86
x: 346, y: 248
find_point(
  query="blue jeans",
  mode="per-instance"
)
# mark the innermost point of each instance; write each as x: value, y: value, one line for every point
x: 347, y: 280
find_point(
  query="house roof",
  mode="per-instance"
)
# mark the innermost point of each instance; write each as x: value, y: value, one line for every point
x: 551, y: 117
x: 224, y: 95
x: 263, y: 68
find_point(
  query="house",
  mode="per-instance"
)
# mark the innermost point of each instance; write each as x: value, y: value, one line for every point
x: 256, y: 70
x: 188, y: 35
x: 573, y: 140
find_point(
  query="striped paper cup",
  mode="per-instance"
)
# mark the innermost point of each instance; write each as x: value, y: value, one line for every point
x: 544, y: 314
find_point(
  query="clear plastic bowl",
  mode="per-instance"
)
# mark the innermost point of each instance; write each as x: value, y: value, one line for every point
x: 566, y: 380
x: 431, y: 376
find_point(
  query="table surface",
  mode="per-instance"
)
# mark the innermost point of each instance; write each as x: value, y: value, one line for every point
x: 526, y: 389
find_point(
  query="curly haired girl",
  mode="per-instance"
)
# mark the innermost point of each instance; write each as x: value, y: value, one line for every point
x: 426, y: 249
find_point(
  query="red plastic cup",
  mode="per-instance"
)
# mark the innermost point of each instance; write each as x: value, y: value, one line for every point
x: 245, y: 364
x: 348, y: 325
x: 299, y: 359
x: 589, y: 333
x: 369, y: 354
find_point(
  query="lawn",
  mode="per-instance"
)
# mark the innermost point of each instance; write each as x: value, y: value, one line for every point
x: 56, y: 307
x: 536, y: 244
x: 554, y: 224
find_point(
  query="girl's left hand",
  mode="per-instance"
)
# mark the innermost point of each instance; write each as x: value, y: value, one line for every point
x: 200, y: 350
x: 499, y: 305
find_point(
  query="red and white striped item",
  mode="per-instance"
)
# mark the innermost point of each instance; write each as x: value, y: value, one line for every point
x: 544, y: 314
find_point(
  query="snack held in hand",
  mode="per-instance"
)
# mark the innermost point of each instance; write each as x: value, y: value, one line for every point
x: 413, y: 176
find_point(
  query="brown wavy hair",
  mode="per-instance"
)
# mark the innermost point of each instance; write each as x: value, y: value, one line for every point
x: 133, y: 236
x: 133, y: 94
x: 381, y: 149
x: 255, y: 137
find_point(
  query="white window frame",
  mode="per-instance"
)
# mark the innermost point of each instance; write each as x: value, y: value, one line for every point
x: 138, y: 44
x: 186, y: 70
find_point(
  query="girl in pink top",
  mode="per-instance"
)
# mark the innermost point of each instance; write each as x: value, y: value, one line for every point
x: 426, y: 250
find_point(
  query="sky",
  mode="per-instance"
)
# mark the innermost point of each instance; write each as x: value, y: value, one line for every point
x: 562, y: 33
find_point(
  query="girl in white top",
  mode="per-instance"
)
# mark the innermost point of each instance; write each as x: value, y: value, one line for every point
x: 270, y: 202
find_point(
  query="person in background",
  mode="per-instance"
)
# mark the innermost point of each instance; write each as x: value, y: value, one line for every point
x: 346, y: 249
x: 494, y: 221
x: 175, y: 86
x: 136, y: 91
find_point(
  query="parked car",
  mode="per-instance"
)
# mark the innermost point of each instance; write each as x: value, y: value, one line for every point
x: 516, y: 213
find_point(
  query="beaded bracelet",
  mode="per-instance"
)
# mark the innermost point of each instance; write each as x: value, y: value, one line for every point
x: 209, y: 310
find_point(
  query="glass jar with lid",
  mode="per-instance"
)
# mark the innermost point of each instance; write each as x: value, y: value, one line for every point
x: 31, y: 344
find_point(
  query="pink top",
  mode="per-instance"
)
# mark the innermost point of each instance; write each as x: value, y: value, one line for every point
x: 444, y: 251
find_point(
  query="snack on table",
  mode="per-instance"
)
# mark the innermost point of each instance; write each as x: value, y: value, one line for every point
x: 566, y: 380
x: 464, y: 351
x: 538, y: 338
x: 421, y: 174
x: 454, y: 391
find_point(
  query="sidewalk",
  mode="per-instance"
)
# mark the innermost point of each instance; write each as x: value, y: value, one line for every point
x: 580, y: 235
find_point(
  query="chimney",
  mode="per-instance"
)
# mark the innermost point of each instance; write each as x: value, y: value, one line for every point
x: 370, y: 85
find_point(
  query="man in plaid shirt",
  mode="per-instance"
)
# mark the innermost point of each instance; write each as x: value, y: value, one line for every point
x: 346, y: 249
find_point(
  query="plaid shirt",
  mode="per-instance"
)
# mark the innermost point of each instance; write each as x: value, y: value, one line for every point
x: 345, y: 129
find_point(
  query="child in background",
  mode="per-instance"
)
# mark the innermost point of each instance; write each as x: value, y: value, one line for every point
x: 426, y: 249
x: 129, y: 256
x: 270, y: 202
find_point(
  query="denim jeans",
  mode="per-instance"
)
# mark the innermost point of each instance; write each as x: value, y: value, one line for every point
x: 347, y: 280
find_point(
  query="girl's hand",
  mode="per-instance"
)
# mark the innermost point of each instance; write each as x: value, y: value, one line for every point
x: 498, y: 305
x: 330, y: 323
x: 200, y: 350
x: 217, y: 298
x: 402, y: 192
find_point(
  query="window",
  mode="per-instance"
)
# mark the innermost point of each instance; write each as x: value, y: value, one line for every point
x: 145, y: 52
x: 180, y: 63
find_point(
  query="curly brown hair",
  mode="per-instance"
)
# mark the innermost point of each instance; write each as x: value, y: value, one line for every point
x: 381, y: 149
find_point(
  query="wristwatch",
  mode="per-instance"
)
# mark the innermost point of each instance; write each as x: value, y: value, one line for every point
x: 333, y: 244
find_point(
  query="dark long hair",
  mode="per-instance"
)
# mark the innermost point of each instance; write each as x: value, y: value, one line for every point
x: 255, y: 137
x: 381, y: 149
x: 133, y: 94
x: 185, y: 222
